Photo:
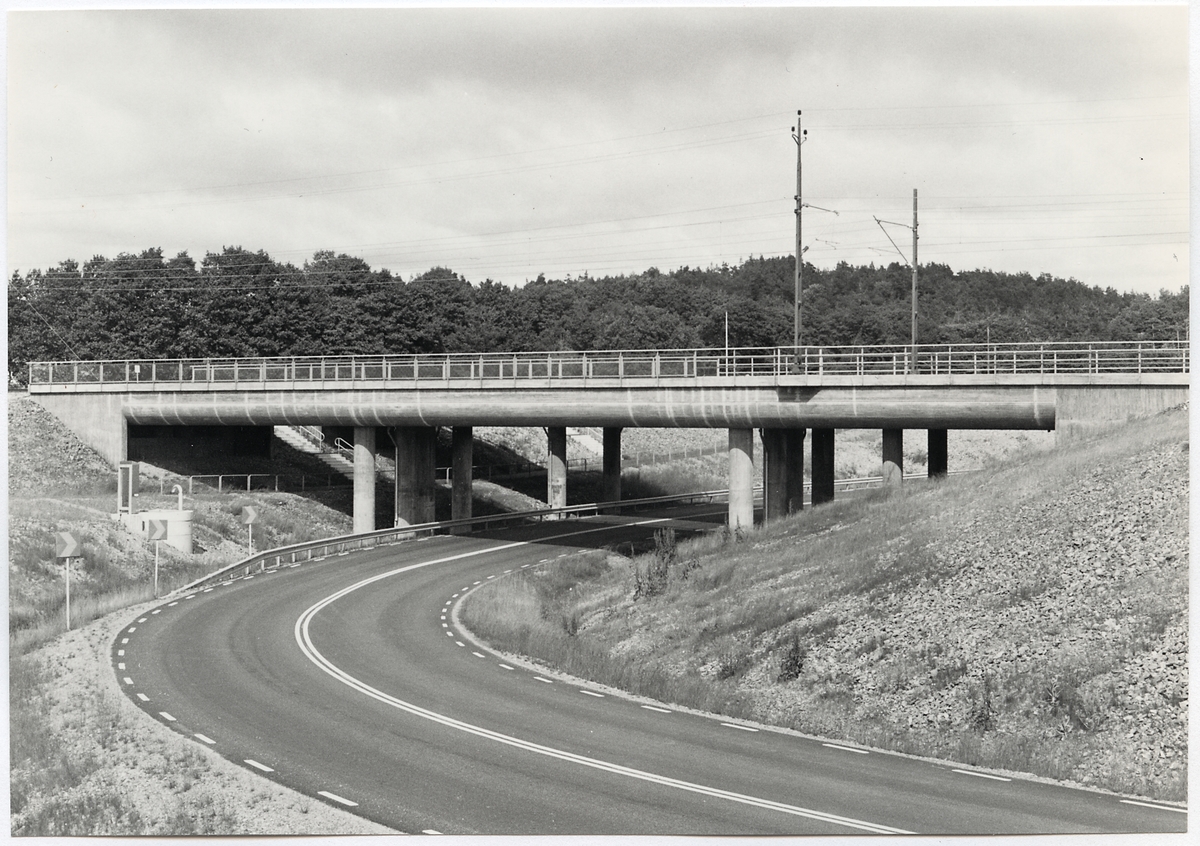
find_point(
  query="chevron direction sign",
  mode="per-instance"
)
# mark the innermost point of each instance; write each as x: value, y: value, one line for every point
x: 157, y: 529
x: 66, y: 545
x: 249, y: 513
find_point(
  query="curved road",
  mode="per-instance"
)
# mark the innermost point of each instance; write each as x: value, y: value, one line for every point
x: 350, y: 679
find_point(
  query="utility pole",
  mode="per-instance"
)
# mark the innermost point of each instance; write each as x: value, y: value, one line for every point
x: 914, y: 264
x: 798, y: 136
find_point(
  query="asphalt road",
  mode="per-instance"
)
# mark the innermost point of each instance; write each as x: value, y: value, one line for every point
x: 350, y: 679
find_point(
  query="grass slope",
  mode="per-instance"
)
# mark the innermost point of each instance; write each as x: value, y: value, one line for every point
x: 1034, y: 619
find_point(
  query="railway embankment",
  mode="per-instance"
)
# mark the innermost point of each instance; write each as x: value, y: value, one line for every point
x: 1033, y: 619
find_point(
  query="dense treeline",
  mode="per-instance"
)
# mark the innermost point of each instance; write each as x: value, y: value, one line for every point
x: 243, y: 303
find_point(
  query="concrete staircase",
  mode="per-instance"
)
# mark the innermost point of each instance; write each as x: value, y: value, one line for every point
x: 310, y: 440
x: 586, y: 440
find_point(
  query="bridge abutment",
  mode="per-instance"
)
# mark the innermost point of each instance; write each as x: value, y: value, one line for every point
x: 741, y: 479
x: 415, y: 468
x: 462, y: 457
x: 364, y: 479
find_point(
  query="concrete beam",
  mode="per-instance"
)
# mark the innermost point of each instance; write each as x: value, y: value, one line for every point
x: 556, y: 467
x: 939, y: 453
x: 415, y: 468
x: 364, y: 479
x: 611, y: 484
x: 893, y: 457
x: 741, y: 479
x: 462, y: 459
x: 822, y: 466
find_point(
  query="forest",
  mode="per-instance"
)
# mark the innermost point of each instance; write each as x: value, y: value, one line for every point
x: 243, y: 303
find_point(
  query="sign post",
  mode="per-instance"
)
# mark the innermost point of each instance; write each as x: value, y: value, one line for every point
x: 249, y: 515
x: 66, y: 546
x: 158, y: 531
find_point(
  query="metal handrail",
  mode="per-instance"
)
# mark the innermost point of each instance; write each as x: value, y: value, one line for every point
x: 498, y: 369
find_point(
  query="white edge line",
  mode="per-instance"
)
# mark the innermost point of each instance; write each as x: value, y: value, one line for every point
x: 1156, y: 807
x: 659, y: 710
x: 592, y: 693
x: 736, y: 726
x: 304, y: 641
x: 337, y: 798
x: 982, y: 775
x: 847, y: 748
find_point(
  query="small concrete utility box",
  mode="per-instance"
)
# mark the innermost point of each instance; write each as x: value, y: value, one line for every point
x: 179, y: 526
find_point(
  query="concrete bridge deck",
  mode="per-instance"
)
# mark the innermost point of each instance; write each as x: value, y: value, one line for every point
x: 1073, y: 388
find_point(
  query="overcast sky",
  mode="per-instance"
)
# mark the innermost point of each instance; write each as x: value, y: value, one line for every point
x: 511, y: 142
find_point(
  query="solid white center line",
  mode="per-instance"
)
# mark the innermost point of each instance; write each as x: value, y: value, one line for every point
x: 143, y: 697
x: 846, y: 748
x: 539, y: 678
x: 659, y: 710
x: 337, y: 798
x: 592, y: 693
x: 736, y: 726
x: 982, y: 775
x: 259, y: 766
x: 206, y: 739
x: 166, y: 716
x: 1157, y: 807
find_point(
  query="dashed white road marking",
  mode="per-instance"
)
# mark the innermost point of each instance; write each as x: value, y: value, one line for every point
x: 143, y: 697
x: 478, y: 654
x: 592, y: 693
x: 172, y: 604
x: 449, y: 634
x: 206, y: 739
x: 156, y: 611
x: 120, y: 651
x: 539, y: 678
x: 121, y: 665
x: 506, y: 572
x: 166, y: 716
x: 479, y: 582
x: 491, y: 577
x: 127, y: 680
x: 846, y: 748
x: 259, y: 766
x: 124, y: 640
x: 659, y: 710
x: 982, y: 775
x: 460, y: 643
x: 445, y: 625
x: 337, y: 798
x: 132, y: 629
x: 507, y: 667
x: 1156, y: 807
x: 141, y: 620
x: 207, y: 590
x: 430, y: 831
x: 736, y: 726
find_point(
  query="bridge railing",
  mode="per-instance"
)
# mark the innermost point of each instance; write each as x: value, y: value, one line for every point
x: 567, y: 366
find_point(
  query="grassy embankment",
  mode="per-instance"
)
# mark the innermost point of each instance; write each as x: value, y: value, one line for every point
x: 1032, y: 620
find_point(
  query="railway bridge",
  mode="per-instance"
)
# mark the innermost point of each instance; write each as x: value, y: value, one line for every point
x: 1072, y: 388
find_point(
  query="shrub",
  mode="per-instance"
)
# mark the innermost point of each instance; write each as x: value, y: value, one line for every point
x: 793, y: 660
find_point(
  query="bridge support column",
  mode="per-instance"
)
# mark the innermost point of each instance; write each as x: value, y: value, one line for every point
x: 364, y: 479
x: 556, y: 467
x: 939, y: 453
x: 611, y: 484
x: 822, y: 466
x: 776, y: 473
x: 741, y: 479
x: 893, y: 458
x: 794, y: 447
x: 461, y: 460
x: 415, y: 468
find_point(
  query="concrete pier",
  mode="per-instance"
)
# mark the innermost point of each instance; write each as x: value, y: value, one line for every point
x: 794, y: 443
x: 776, y: 472
x: 741, y: 479
x: 415, y: 467
x: 939, y: 453
x: 364, y: 479
x: 822, y: 466
x: 556, y: 467
x: 462, y: 458
x: 611, y: 484
x: 893, y: 457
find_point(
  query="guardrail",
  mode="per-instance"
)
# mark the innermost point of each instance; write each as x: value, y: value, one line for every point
x: 399, y: 371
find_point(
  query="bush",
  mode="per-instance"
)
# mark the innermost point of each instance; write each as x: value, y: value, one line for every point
x: 792, y: 662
